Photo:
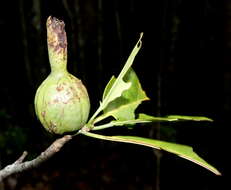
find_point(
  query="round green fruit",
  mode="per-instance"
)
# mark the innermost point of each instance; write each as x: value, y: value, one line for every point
x: 62, y: 103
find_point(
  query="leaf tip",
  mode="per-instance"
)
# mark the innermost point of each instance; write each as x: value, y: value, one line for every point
x: 139, y: 43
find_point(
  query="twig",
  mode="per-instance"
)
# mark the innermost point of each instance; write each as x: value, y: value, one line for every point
x: 19, y: 165
x: 21, y: 158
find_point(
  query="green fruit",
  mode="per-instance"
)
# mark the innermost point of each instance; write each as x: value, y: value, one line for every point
x: 61, y: 101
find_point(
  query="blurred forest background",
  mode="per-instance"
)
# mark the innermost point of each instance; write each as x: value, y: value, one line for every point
x: 184, y: 67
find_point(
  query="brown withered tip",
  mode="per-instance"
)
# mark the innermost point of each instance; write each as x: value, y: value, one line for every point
x: 56, y: 35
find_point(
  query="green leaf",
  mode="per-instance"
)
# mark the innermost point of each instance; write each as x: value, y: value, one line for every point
x: 144, y: 118
x: 123, y: 107
x: 180, y: 150
x: 189, y: 118
x: 113, y: 91
x: 115, y: 88
x: 108, y: 86
x: 154, y: 119
x: 120, y: 123
x: 173, y: 118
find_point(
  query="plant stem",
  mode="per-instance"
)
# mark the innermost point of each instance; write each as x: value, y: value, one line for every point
x: 119, y: 123
x: 105, y: 126
x: 95, y: 114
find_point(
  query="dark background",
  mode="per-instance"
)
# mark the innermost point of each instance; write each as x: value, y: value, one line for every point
x: 184, y: 67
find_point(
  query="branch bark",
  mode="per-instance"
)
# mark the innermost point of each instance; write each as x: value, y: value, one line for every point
x: 19, y: 165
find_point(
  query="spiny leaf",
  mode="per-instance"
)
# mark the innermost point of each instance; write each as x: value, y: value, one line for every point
x: 178, y: 149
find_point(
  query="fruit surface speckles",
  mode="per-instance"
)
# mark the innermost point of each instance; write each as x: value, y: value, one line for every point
x: 64, y: 102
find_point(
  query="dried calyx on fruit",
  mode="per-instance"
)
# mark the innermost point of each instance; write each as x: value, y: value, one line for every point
x: 61, y: 101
